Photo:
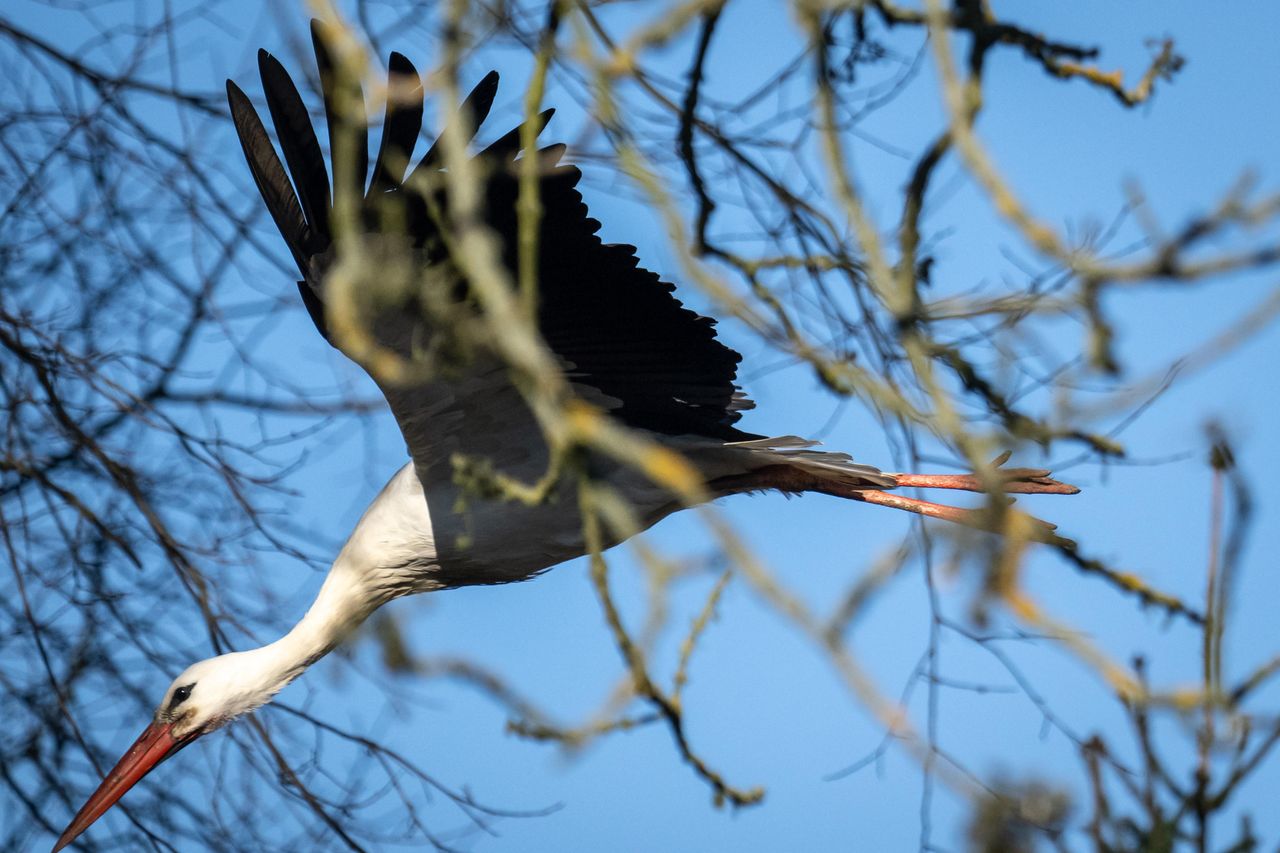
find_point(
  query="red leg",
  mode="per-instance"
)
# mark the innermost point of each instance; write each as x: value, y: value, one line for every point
x: 980, y: 519
x: 1027, y: 481
x: 1022, y: 481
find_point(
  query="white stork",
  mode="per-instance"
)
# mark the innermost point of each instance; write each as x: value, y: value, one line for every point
x: 626, y: 344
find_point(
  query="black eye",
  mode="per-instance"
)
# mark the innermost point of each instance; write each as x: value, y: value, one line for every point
x: 181, y: 695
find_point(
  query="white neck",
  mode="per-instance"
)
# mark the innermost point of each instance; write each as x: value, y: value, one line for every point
x: 395, y: 531
x: 249, y: 679
x: 337, y: 611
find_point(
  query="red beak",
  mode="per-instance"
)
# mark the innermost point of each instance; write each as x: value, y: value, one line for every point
x: 154, y: 745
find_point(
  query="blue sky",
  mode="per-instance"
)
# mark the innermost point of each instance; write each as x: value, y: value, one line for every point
x: 763, y: 704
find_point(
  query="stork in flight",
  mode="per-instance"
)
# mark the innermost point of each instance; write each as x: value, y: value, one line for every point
x: 624, y: 342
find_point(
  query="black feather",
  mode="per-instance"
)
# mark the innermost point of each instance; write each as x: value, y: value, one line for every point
x: 617, y: 326
x: 350, y: 124
x: 507, y: 146
x: 552, y: 154
x: 401, y: 126
x: 474, y: 110
x: 298, y: 140
x: 616, y: 323
x: 269, y: 175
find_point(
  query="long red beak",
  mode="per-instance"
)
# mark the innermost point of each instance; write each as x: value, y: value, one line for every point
x: 154, y: 745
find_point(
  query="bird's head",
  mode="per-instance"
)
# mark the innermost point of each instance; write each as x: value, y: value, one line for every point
x: 205, y: 697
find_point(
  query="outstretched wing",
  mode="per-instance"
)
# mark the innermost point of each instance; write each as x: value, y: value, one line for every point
x: 624, y: 340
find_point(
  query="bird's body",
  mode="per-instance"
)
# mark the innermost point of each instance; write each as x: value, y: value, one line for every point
x: 420, y: 537
x: 398, y: 549
x: 626, y: 347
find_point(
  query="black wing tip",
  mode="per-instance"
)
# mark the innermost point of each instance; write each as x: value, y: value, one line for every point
x: 270, y: 68
x: 480, y: 100
x: 275, y: 77
x: 400, y: 64
x: 320, y: 47
x: 242, y: 110
x: 243, y: 113
x: 551, y: 155
x: 542, y: 120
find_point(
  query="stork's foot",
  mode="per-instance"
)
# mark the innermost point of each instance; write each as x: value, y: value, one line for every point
x: 981, y: 519
x: 1019, y: 481
x: 1016, y: 481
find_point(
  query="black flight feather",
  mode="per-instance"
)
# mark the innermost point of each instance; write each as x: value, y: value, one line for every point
x: 344, y: 115
x: 507, y: 146
x: 473, y: 110
x: 298, y: 140
x: 550, y: 155
x: 401, y: 126
x: 269, y: 175
x: 617, y: 326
